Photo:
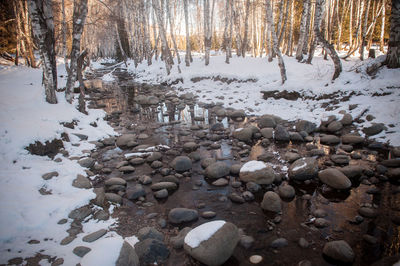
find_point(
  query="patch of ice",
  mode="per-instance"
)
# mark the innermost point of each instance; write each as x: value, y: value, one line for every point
x: 202, y: 233
x: 137, y: 154
x: 252, y: 166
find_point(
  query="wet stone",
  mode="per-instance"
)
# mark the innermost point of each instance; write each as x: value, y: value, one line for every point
x: 50, y: 175
x: 177, y: 241
x: 149, y: 232
x: 151, y: 250
x: 255, y: 259
x: 271, y: 202
x: 236, y: 198
x: 161, y: 194
x: 208, y: 214
x: 181, y: 215
x: 339, y: 250
x: 115, y: 198
x: 340, y: 159
x: 303, y: 169
x: 127, y: 169
x: 321, y: 223
x: 164, y: 185
x: 281, y: 134
x: 286, y: 191
x: 81, y: 251
x: 303, y: 243
x: 279, y: 243
x: 87, y: 162
x: 335, y: 126
x: 217, y: 170
x: 115, y: 181
x: 221, y: 182
x: 329, y: 139
x: 374, y: 129
x: 367, y: 212
x: 82, y: 182
x: 182, y: 164
x: 246, y: 241
x: 135, y: 192
x: 253, y: 187
x: 94, y: 236
x: 136, y: 161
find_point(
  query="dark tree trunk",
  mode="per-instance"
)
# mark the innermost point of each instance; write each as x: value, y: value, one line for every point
x: 393, y: 54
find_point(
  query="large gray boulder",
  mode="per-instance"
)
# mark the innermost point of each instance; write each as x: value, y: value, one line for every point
x: 281, y: 133
x: 212, y: 243
x: 267, y: 121
x: 334, y: 178
x: 126, y: 140
x: 271, y: 202
x: 352, y: 139
x: 339, y: 250
x: 217, y: 170
x: 182, y: 215
x: 151, y: 250
x: 182, y: 164
x: 257, y: 172
x: 127, y: 256
x: 304, y: 125
x: 303, y: 169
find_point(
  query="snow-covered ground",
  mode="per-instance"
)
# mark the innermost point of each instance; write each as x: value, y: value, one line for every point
x: 25, y: 214
x: 309, y: 80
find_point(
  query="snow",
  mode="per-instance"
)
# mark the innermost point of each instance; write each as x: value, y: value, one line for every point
x: 252, y: 166
x: 25, y: 214
x: 250, y: 76
x: 104, y: 252
x: 202, y: 233
x: 304, y: 164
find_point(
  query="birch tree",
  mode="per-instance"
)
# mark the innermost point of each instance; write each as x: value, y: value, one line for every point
x: 246, y: 29
x: 188, y: 56
x: 393, y: 54
x: 319, y: 12
x: 302, y: 30
x: 270, y: 22
x: 41, y: 15
x: 207, y: 32
x: 381, y: 41
x: 79, y: 17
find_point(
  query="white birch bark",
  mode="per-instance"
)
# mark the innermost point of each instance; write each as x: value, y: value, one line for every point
x: 303, y: 29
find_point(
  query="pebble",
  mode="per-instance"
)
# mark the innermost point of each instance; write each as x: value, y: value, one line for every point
x: 255, y: 259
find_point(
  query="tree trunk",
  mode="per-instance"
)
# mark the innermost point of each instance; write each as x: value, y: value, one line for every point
x: 289, y: 51
x: 43, y: 30
x: 382, y: 37
x: 172, y: 32
x: 79, y: 17
x: 319, y: 11
x: 393, y: 54
x: 188, y: 56
x: 283, y: 30
x: 275, y: 41
x: 263, y: 35
x: 308, y: 28
x: 227, y: 36
x: 303, y: 29
x: 364, y: 31
x: 237, y: 29
x: 80, y: 68
x: 246, y: 29
x: 207, y: 32
x: 164, y: 43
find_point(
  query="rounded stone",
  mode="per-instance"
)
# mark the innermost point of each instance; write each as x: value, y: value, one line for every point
x: 271, y: 202
x: 217, y: 170
x: 182, y: 164
x: 334, y: 178
x: 339, y: 250
x: 303, y: 169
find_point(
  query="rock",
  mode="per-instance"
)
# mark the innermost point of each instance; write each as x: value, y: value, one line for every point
x: 150, y: 251
x: 221, y: 182
x: 303, y: 169
x: 86, y: 162
x: 267, y: 133
x: 114, y: 198
x: 255, y: 259
x: 258, y: 172
x: 182, y: 215
x: 190, y: 146
x: 161, y: 194
x: 82, y: 182
x: 394, y: 173
x: 50, y: 175
x: 320, y: 213
x: 149, y: 232
x: 352, y: 139
x: 334, y: 178
x: 155, y: 156
x: 391, y: 163
x: 291, y: 156
x: 217, y: 248
x: 248, y: 196
x: 127, y: 256
x: 243, y: 134
x: 339, y: 250
x: 67, y: 240
x: 208, y: 214
x: 235, y: 169
x: 368, y: 212
x: 126, y: 141
x: 279, y: 243
x: 145, y: 180
x: 81, y: 251
x: 352, y: 171
x: 304, y: 125
x: 281, y: 134
x: 321, y: 223
x: 340, y: 159
x: 135, y: 192
x: 347, y: 120
x: 271, y: 202
x: 237, y: 115
x: 178, y: 241
x: 137, y: 161
x: 286, y: 191
x: 303, y: 243
x: 246, y: 241
x: 370, y: 239
x: 217, y: 170
x: 127, y: 169
x: 94, y: 236
x: 295, y: 137
x: 375, y: 129
x: 100, y: 196
x: 182, y: 164
x: 115, y: 181
x: 80, y: 213
x: 316, y: 152
x: 335, y: 126
x: 164, y: 185
x: 207, y: 162
x: 236, y: 198
x: 329, y: 139
x: 253, y: 187
x: 101, y: 215
x: 156, y: 164
x: 267, y: 121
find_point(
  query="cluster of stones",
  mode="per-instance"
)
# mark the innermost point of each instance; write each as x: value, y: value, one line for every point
x: 120, y: 157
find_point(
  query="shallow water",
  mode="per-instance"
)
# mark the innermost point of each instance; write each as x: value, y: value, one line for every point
x: 168, y: 125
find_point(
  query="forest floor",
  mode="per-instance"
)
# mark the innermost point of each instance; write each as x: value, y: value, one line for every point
x: 36, y: 209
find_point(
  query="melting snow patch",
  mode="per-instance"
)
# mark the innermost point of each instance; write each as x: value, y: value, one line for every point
x: 252, y: 166
x: 104, y: 252
x: 202, y: 233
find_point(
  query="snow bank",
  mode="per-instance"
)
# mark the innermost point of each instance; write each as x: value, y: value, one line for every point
x: 26, y: 214
x: 252, y: 166
x: 202, y: 233
x: 104, y: 252
x: 249, y: 77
